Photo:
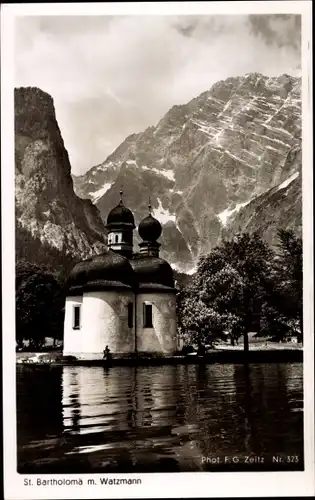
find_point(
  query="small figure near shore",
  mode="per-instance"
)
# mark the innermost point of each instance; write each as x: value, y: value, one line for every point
x: 201, y: 350
x: 106, y: 353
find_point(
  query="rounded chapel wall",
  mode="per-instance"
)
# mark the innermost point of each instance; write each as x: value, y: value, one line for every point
x: 162, y: 337
x: 105, y: 322
x: 72, y: 340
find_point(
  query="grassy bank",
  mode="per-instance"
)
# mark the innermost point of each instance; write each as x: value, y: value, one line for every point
x: 231, y: 354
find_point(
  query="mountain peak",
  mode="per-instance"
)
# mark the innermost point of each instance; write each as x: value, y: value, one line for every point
x: 46, y: 206
x: 206, y: 160
x: 35, y: 94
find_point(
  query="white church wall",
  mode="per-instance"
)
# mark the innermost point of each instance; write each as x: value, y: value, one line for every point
x: 105, y: 322
x: 72, y: 342
x: 162, y: 337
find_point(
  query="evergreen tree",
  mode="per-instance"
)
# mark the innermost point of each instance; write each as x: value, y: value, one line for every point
x: 31, y: 249
x: 39, y: 304
x: 227, y: 291
x: 283, y: 311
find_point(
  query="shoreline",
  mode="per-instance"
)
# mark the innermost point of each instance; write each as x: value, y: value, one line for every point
x: 219, y: 356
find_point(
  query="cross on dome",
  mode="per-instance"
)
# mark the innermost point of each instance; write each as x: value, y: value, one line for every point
x: 120, y: 215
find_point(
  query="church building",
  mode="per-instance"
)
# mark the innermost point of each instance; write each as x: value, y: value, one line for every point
x: 121, y: 299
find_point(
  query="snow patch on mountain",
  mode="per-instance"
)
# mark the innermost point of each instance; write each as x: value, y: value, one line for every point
x: 178, y: 229
x: 97, y: 195
x: 278, y: 129
x: 193, y: 270
x: 288, y: 181
x: 180, y: 269
x: 235, y: 138
x: 273, y: 149
x: 169, y: 174
x: 239, y: 159
x: 162, y: 214
x: 174, y: 191
x: 189, y: 247
x: 272, y: 139
x: 227, y: 213
x: 103, y: 166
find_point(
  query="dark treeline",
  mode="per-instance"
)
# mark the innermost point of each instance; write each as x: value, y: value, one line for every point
x: 240, y: 286
x: 39, y: 304
x: 31, y: 249
x: 41, y: 272
x: 243, y: 285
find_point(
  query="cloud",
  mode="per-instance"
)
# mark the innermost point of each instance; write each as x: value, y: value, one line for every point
x: 111, y: 76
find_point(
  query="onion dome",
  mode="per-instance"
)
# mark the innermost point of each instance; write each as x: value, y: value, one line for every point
x: 77, y: 274
x: 107, y: 271
x: 120, y: 216
x: 153, y: 273
x: 150, y: 229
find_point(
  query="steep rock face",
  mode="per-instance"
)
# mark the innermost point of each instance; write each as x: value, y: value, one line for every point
x: 278, y: 208
x: 46, y: 205
x: 205, y: 159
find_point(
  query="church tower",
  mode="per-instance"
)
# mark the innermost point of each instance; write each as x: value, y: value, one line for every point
x: 121, y: 299
x: 156, y: 294
x: 120, y: 226
x: 149, y: 230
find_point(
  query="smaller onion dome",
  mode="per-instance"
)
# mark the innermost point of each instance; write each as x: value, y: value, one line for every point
x: 150, y: 229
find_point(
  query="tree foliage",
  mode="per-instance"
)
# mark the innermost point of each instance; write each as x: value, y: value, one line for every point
x: 39, y: 304
x: 31, y: 249
x: 240, y: 284
x: 283, y: 311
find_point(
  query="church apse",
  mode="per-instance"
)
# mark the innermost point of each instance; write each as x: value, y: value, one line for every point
x: 122, y: 299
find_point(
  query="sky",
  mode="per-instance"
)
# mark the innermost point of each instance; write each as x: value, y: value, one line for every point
x: 112, y: 76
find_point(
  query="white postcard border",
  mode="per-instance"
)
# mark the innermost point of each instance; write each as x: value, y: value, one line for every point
x: 157, y: 485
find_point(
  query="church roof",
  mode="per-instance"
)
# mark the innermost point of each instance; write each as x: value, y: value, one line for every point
x: 108, y: 270
x: 120, y: 215
x: 114, y: 271
x: 150, y: 229
x: 152, y: 273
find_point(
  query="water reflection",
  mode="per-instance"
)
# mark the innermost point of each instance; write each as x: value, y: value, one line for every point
x: 116, y: 399
x: 157, y: 418
x: 39, y: 405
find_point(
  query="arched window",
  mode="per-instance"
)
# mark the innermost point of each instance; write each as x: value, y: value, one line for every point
x: 130, y: 315
x: 147, y: 316
x: 76, y: 317
x: 116, y: 238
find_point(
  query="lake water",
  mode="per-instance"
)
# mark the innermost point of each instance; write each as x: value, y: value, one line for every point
x: 160, y: 419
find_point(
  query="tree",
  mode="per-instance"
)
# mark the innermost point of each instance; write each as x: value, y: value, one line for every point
x: 228, y: 289
x: 199, y: 324
x: 253, y: 259
x: 290, y: 269
x: 39, y: 304
x: 283, y: 312
x: 31, y: 249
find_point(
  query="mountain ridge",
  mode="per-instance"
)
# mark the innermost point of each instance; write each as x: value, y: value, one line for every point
x: 45, y: 203
x: 225, y: 147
